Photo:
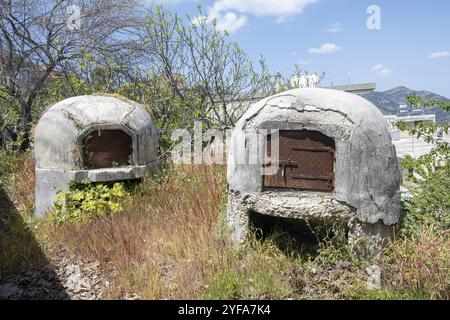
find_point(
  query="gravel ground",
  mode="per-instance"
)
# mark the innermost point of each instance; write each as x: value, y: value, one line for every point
x: 64, y: 277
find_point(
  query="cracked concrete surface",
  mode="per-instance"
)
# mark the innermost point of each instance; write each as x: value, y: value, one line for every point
x: 367, y: 175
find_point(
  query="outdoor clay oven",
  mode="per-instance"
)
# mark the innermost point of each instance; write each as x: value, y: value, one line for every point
x: 314, y: 154
x: 96, y: 137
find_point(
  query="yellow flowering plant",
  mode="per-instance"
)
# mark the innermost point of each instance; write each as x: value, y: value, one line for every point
x: 86, y: 200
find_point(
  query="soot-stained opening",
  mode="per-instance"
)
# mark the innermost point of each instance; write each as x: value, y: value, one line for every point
x: 306, y: 161
x: 298, y: 234
x: 107, y: 149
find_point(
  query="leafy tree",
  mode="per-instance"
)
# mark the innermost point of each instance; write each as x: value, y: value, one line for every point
x: 41, y: 39
x: 182, y: 69
x: 210, y: 78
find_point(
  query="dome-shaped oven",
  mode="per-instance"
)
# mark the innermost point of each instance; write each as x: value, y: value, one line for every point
x: 96, y: 137
x: 334, y: 160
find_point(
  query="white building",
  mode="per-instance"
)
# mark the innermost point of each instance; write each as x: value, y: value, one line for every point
x: 403, y: 141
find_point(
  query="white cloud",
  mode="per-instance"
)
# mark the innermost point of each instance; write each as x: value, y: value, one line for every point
x: 283, y: 19
x: 231, y: 15
x: 264, y: 8
x: 384, y: 72
x: 325, y: 49
x: 377, y: 67
x: 381, y: 70
x: 230, y: 22
x: 336, y: 27
x: 304, y: 62
x: 439, y: 54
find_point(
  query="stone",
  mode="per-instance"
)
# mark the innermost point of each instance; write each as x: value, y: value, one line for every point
x: 374, y: 277
x: 366, y: 190
x: 62, y: 136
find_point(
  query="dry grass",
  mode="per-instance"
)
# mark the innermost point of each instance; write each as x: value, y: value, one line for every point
x: 18, y: 246
x: 420, y: 266
x: 171, y: 242
x: 21, y: 185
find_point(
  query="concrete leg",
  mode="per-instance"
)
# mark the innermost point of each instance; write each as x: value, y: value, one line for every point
x: 237, y: 219
x: 48, y: 183
x: 367, y: 239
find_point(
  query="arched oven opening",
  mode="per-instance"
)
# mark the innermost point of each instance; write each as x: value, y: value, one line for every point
x: 107, y: 149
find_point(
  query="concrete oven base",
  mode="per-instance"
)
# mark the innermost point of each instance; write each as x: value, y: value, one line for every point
x: 365, y: 238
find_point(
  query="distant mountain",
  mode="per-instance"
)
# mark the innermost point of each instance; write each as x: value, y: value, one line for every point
x: 389, y: 101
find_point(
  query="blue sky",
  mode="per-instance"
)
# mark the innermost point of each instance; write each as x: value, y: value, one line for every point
x: 412, y: 48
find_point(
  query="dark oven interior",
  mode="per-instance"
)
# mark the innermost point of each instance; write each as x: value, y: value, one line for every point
x: 107, y: 149
x: 306, y: 161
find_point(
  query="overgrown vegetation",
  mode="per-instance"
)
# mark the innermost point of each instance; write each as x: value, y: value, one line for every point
x: 18, y: 246
x: 429, y: 205
x: 8, y: 165
x: 85, y: 200
x: 168, y: 238
x: 170, y: 241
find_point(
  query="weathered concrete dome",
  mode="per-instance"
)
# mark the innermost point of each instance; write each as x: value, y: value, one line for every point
x: 61, y: 129
x: 96, y: 137
x: 366, y: 171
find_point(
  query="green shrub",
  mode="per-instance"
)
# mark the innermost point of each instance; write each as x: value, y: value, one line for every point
x: 86, y: 200
x: 429, y: 204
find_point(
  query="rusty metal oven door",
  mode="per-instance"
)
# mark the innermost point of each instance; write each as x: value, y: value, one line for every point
x: 306, y: 161
x: 107, y: 149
